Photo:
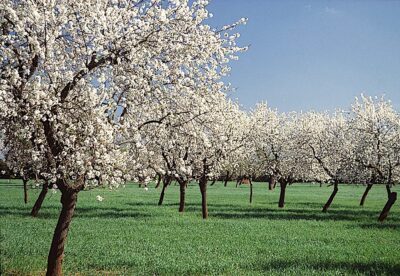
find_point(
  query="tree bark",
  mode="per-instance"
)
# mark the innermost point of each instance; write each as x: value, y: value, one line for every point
x: 281, y: 203
x: 251, y: 191
x: 158, y: 181
x: 329, y: 202
x: 388, y: 191
x: 226, y: 179
x: 56, y: 254
x: 385, y: 212
x: 25, y: 181
x: 39, y: 200
x: 182, y: 190
x: 271, y: 183
x: 203, y: 190
x: 213, y: 182
x: 165, y: 184
x: 364, y: 196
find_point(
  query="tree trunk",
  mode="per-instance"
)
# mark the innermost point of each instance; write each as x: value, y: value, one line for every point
x: 165, y: 184
x: 388, y: 191
x: 203, y: 190
x: 226, y: 179
x: 213, y: 182
x: 328, y: 203
x: 364, y: 196
x: 56, y: 254
x: 182, y: 190
x: 25, y: 181
x: 271, y: 183
x: 251, y: 191
x: 158, y: 181
x: 385, y: 212
x: 39, y: 200
x: 274, y: 184
x: 281, y: 203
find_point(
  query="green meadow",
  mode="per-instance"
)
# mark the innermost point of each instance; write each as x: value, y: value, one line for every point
x: 129, y: 234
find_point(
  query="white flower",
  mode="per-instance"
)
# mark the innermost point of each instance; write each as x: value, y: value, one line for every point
x: 146, y: 189
x: 99, y: 198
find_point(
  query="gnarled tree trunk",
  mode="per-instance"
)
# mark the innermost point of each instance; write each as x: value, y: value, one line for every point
x: 158, y: 181
x: 182, y: 190
x: 203, y: 191
x: 25, y: 181
x: 364, y: 196
x: 251, y: 191
x: 271, y: 183
x: 388, y: 190
x: 226, y: 179
x: 56, y: 254
x: 329, y: 202
x: 281, y: 203
x: 385, y: 212
x: 166, y: 182
x: 38, y: 204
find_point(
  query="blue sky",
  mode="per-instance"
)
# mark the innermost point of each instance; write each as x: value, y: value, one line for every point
x: 314, y: 55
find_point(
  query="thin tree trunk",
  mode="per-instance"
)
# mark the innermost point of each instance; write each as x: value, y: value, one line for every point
x: 281, y: 203
x: 203, y: 190
x: 39, y: 200
x: 213, y: 182
x: 226, y: 179
x: 56, y: 254
x: 251, y: 191
x: 364, y: 196
x: 388, y: 191
x: 271, y: 183
x: 329, y: 202
x: 165, y: 184
x: 182, y: 190
x: 385, y: 212
x: 25, y: 181
x: 274, y: 184
x: 158, y: 181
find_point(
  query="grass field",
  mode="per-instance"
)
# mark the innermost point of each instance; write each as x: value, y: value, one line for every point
x: 128, y: 234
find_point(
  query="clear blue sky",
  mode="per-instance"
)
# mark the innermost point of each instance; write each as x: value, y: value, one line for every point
x: 314, y: 55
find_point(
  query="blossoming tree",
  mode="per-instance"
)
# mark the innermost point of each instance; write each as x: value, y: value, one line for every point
x: 71, y: 72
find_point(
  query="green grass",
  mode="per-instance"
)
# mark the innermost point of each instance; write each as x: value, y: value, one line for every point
x: 128, y: 234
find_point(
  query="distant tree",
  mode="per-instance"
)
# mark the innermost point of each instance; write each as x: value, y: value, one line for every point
x: 328, y: 143
x: 376, y: 126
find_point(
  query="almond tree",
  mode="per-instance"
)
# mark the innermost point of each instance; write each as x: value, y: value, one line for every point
x: 279, y: 147
x: 71, y: 73
x: 328, y: 143
x: 376, y: 125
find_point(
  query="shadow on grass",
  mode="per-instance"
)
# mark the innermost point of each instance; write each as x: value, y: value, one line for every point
x: 87, y: 212
x: 352, y: 268
x: 379, y: 225
x: 294, y: 214
x: 220, y: 211
x: 280, y: 267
